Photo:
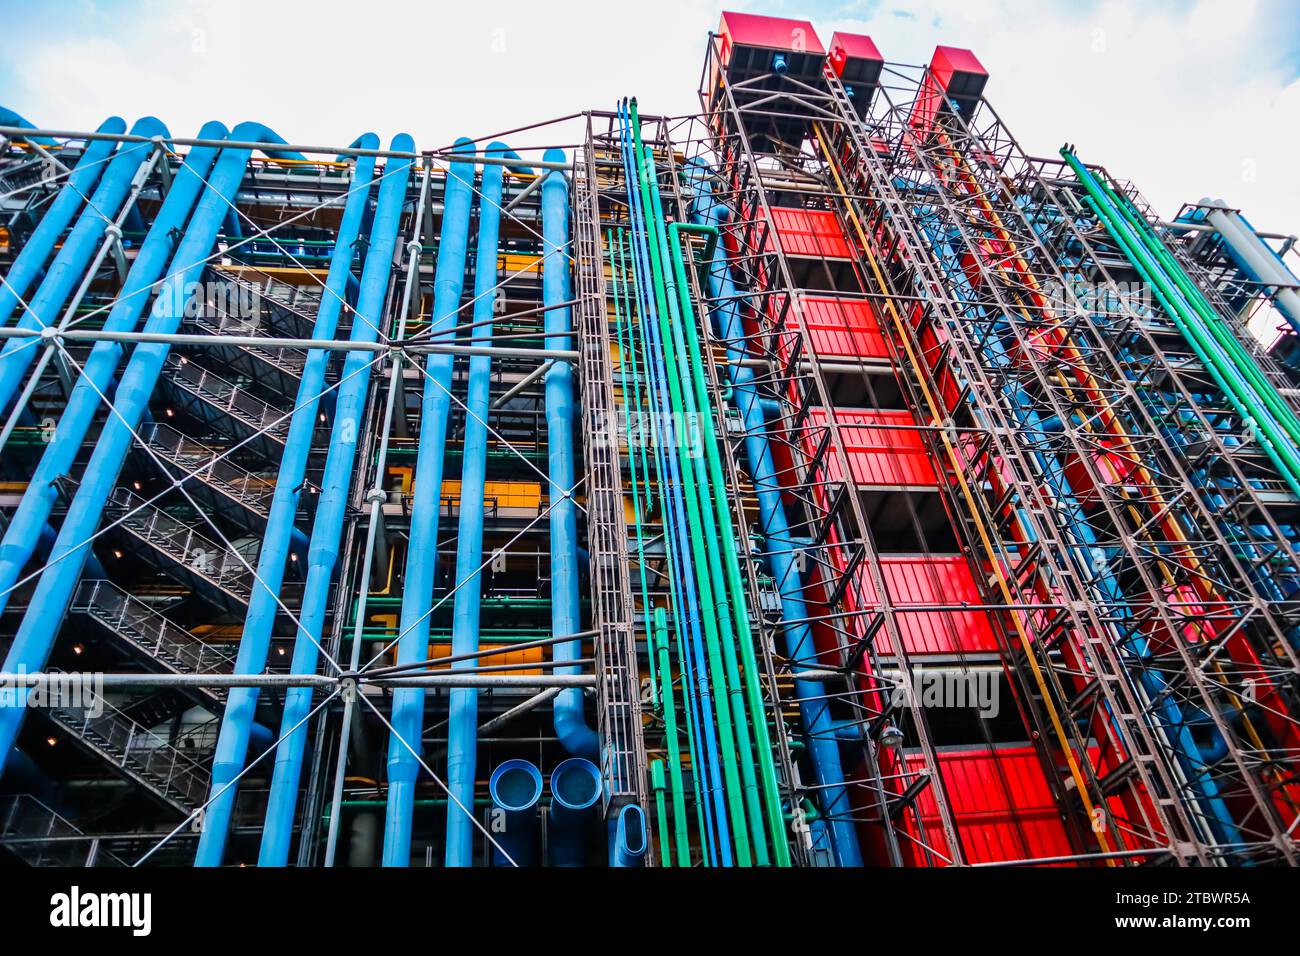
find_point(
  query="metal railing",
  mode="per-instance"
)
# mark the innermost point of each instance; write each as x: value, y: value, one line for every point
x: 226, y: 569
x: 227, y: 397
x: 156, y: 762
x: 205, y: 463
x: 133, y: 620
x: 39, y: 836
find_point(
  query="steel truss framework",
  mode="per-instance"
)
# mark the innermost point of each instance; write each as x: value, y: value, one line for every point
x: 200, y: 517
x: 1134, y: 550
x: 1140, y: 587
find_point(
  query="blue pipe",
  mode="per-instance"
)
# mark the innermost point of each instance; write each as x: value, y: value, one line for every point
x: 571, y: 726
x: 426, y: 507
x: 462, y: 718
x: 98, y: 376
x: 37, y: 248
x: 323, y: 552
x: 9, y: 118
x: 628, y: 841
x: 281, y: 534
x: 75, y: 254
x: 1175, y: 726
x: 783, y: 550
x: 576, y: 786
x: 40, y: 625
x: 686, y: 612
x: 516, y: 789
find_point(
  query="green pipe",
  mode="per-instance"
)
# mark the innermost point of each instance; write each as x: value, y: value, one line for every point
x: 659, y: 635
x: 1283, y: 455
x: 1244, y: 362
x: 1244, y: 399
x: 695, y: 734
x: 700, y: 429
x: 658, y: 785
x: 617, y: 278
x: 722, y: 712
x: 687, y: 711
x: 730, y: 554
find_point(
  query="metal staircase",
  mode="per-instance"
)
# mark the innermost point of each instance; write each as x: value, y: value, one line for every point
x: 178, y: 547
x: 217, y: 477
x: 172, y: 770
x: 230, y: 409
x: 280, y: 365
x: 39, y: 836
x: 151, y: 634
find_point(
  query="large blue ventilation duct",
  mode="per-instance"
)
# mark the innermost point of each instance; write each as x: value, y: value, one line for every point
x: 281, y: 532
x: 232, y: 743
x: 42, y: 491
x: 576, y: 786
x: 76, y: 187
x: 516, y: 790
x: 426, y: 506
x: 75, y: 254
x: 40, y: 625
x: 462, y: 731
x: 570, y: 723
x: 9, y: 118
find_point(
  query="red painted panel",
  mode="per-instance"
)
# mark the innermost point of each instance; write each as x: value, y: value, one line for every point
x: 843, y: 328
x: 771, y: 33
x: 1002, y: 802
x: 955, y: 73
x: 810, y: 232
x: 889, y: 457
x: 929, y: 581
x: 959, y: 72
x: 856, y: 52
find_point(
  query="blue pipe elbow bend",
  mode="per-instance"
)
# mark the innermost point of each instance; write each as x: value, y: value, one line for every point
x: 570, y: 722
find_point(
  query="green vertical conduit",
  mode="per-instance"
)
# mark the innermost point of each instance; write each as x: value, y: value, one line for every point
x: 753, y: 692
x: 692, y: 732
x: 1214, y: 323
x: 656, y: 620
x: 652, y: 215
x: 1226, y: 366
x: 700, y: 430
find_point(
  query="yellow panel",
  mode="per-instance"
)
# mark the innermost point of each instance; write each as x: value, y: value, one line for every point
x: 502, y: 494
x: 530, y: 655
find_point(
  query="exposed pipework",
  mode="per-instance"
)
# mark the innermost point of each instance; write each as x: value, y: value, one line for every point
x: 322, y: 554
x: 40, y: 625
x: 462, y: 719
x: 9, y: 118
x: 570, y: 723
x: 1256, y: 259
x: 516, y: 789
x: 31, y: 259
x: 782, y: 550
x: 75, y: 253
x: 42, y: 491
x: 628, y: 837
x: 575, y: 792
x: 426, y: 508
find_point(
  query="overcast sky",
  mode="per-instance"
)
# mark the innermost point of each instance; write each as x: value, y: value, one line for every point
x: 1185, y: 98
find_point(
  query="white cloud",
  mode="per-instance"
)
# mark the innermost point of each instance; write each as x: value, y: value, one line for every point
x: 1184, y: 99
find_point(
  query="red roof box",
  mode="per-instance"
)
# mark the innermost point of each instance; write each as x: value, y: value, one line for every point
x: 855, y: 58
x: 770, y: 33
x: 960, y: 75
